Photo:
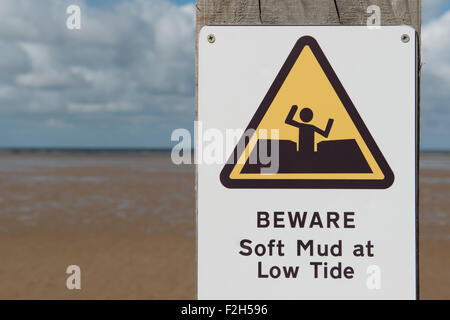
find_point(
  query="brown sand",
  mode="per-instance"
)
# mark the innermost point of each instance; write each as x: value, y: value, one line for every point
x: 128, y: 222
x: 434, y: 227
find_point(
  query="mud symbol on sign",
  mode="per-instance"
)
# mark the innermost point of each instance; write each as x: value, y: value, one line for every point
x: 322, y: 140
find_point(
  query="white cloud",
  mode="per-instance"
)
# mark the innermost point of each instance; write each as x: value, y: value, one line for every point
x: 436, y: 46
x: 56, y: 123
x: 436, y: 75
x: 133, y: 56
x: 102, y: 107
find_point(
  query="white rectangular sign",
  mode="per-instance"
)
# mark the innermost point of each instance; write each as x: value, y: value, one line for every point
x: 307, y: 158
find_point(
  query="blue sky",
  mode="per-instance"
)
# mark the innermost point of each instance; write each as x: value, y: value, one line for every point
x: 435, y: 80
x: 126, y: 79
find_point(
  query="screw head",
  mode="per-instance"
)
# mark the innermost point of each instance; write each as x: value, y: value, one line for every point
x: 405, y: 38
x: 211, y: 38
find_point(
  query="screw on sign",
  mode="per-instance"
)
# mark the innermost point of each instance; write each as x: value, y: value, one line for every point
x: 211, y: 38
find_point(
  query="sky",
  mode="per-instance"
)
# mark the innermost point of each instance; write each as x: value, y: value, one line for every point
x: 126, y: 79
x: 435, y: 75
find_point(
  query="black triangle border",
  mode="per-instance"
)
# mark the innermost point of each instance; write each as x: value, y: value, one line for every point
x: 351, y: 110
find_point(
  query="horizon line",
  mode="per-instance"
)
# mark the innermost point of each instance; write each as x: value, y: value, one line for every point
x: 133, y: 149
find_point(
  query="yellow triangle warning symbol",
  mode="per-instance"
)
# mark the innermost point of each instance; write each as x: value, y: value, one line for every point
x: 310, y: 127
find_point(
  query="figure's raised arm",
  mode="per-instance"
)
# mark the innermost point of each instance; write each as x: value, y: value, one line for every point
x: 327, y: 130
x: 290, y: 118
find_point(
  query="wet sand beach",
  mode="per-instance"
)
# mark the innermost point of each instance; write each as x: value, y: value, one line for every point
x: 434, y: 226
x: 127, y: 219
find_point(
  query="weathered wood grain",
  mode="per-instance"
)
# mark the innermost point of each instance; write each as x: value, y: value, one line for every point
x: 328, y: 12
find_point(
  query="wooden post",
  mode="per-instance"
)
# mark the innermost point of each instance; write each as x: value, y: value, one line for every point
x: 316, y: 12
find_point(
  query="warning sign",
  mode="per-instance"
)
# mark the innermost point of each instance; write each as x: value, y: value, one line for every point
x: 322, y: 142
x: 306, y: 183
